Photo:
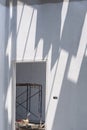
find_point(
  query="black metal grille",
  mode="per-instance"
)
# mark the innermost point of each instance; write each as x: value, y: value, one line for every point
x: 30, y: 91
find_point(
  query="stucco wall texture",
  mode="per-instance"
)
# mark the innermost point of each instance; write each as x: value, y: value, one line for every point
x: 57, y: 33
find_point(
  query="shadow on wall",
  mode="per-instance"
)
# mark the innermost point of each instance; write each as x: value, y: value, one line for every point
x: 62, y: 28
x: 33, y: 2
x: 10, y: 53
x: 64, y: 33
x: 71, y: 107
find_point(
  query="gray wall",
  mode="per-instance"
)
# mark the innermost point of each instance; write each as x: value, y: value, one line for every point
x: 3, y: 2
x: 56, y: 32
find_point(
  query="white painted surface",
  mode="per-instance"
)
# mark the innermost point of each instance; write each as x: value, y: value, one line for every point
x: 37, y: 37
x: 2, y: 57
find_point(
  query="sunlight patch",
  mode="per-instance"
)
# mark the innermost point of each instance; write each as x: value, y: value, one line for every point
x: 8, y: 102
x: 76, y: 62
x: 60, y: 72
x: 63, y: 15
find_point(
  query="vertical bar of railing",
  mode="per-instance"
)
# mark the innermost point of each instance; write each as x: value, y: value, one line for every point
x: 40, y: 105
x: 29, y: 98
x: 27, y: 102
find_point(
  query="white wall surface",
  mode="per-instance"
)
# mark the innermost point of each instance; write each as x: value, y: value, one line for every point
x: 2, y: 46
x: 56, y: 32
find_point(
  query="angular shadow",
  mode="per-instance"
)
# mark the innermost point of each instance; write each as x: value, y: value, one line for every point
x: 71, y: 107
x: 48, y: 28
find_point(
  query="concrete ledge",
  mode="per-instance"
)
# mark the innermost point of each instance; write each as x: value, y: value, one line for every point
x: 31, y: 2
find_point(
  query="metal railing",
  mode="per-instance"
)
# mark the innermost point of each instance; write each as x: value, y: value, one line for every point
x: 28, y: 101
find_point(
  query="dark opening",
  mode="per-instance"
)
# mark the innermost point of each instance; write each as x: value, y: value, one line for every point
x: 30, y: 95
